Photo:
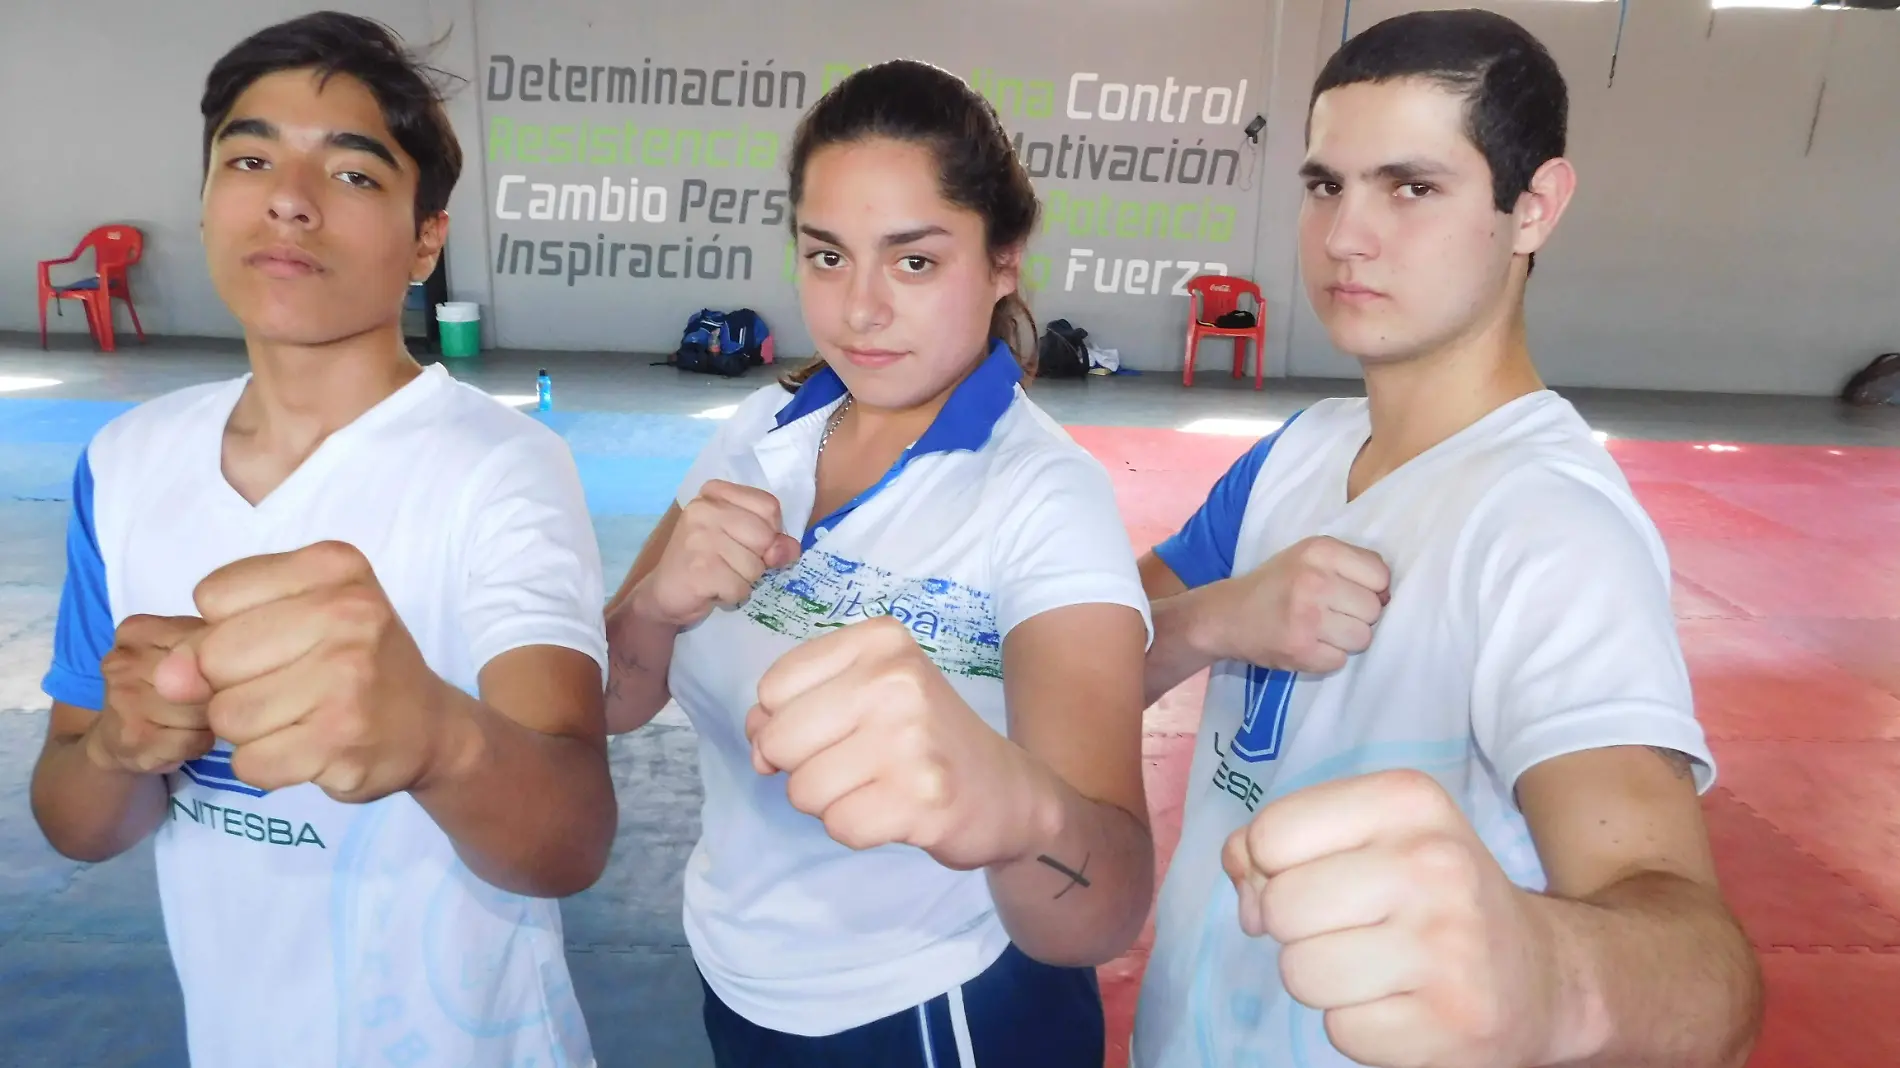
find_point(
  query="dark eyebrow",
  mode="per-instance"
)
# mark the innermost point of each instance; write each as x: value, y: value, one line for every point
x: 354, y: 142
x: 1319, y: 172
x: 248, y: 128
x: 364, y: 143
x: 904, y: 237
x: 1412, y: 170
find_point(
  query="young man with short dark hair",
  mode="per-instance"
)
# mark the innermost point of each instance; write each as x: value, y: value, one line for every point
x: 332, y: 630
x: 1443, y: 810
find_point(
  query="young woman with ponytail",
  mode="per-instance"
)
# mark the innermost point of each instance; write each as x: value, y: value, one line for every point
x: 902, y: 612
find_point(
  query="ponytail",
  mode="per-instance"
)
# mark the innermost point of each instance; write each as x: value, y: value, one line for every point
x: 798, y: 376
x: 1014, y: 325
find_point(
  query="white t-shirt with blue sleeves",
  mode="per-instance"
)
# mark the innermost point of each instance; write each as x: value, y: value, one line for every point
x: 1530, y: 617
x: 305, y: 930
x: 993, y: 517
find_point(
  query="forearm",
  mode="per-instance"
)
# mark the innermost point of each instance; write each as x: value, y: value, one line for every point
x: 1181, y: 647
x: 641, y: 653
x: 88, y: 812
x: 1651, y: 971
x: 529, y: 812
x: 1079, y: 896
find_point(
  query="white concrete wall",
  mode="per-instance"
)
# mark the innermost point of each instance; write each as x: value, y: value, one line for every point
x: 1736, y: 229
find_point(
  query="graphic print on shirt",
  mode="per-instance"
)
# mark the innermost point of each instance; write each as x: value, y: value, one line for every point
x: 954, y: 624
x: 1269, y: 695
x: 213, y: 770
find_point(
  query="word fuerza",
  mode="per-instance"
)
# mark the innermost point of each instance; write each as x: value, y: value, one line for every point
x: 581, y: 83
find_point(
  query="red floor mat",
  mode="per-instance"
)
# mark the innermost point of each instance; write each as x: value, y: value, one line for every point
x: 1205, y: 456
x: 1841, y: 801
x: 1752, y: 682
x: 1794, y: 465
x: 1785, y: 898
x: 1869, y: 648
x: 1788, y: 595
x: 1680, y: 510
x: 1693, y: 602
x: 1799, y: 577
x: 1843, y: 514
x: 1830, y: 1010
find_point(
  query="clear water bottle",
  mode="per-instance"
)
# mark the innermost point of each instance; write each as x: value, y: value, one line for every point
x: 543, y: 391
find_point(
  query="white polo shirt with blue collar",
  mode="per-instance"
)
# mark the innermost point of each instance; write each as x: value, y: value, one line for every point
x: 992, y: 517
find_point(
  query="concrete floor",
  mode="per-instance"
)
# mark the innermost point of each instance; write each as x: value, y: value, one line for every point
x: 84, y: 975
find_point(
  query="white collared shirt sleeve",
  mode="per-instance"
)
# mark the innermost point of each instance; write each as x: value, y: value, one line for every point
x: 1576, y: 638
x: 739, y: 432
x: 1063, y: 541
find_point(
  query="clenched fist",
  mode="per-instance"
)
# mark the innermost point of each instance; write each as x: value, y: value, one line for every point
x: 879, y: 746
x: 1397, y: 923
x: 306, y: 670
x: 726, y: 539
x: 141, y: 729
x: 1307, y: 608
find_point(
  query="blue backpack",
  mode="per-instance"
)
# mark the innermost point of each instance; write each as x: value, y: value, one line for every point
x: 722, y: 343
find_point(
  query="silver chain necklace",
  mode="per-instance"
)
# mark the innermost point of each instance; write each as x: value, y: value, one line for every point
x: 832, y: 424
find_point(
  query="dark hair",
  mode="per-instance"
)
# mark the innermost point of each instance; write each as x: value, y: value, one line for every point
x: 1516, y: 106
x: 330, y: 43
x: 907, y: 100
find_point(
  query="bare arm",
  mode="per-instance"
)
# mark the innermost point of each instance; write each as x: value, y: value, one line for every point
x: 640, y: 647
x: 88, y: 811
x: 99, y: 786
x: 525, y: 793
x: 1653, y: 969
x: 1072, y: 687
x: 1175, y: 655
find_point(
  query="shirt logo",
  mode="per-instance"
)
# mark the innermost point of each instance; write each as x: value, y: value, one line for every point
x: 954, y: 624
x: 241, y: 824
x: 1269, y: 694
x: 213, y: 770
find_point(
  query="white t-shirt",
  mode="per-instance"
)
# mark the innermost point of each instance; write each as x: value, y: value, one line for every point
x: 1530, y: 617
x: 991, y: 518
x: 304, y: 930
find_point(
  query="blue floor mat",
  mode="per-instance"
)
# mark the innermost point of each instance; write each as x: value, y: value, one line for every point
x: 630, y: 463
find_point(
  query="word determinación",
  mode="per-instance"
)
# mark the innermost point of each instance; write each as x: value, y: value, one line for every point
x: 743, y: 86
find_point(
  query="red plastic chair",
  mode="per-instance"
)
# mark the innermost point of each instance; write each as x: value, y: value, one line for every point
x: 114, y: 249
x: 1211, y: 296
